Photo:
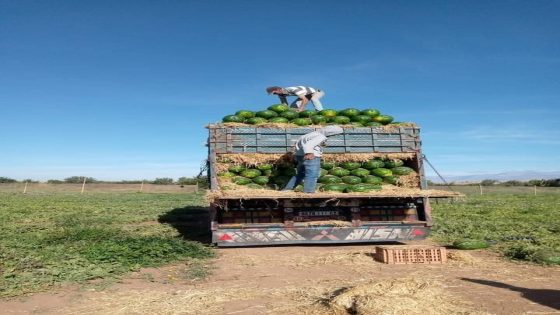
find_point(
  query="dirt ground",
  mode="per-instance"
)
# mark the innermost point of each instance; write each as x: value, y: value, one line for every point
x: 294, y: 279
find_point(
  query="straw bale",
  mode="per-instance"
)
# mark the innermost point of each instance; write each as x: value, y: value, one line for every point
x: 462, y: 258
x: 253, y: 159
x: 411, y: 180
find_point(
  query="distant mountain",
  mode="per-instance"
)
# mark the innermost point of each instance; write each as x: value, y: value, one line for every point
x: 502, y: 177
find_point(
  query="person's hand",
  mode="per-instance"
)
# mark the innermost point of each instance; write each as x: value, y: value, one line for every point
x: 309, y: 156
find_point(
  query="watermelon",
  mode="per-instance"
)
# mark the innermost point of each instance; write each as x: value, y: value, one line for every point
x: 254, y: 186
x: 373, y: 124
x: 288, y: 171
x: 281, y: 120
x: 307, y: 113
x: 289, y: 114
x: 298, y: 188
x: 381, y: 172
x: 302, y: 121
x: 266, y: 114
x: 279, y: 108
x: 341, y: 120
x: 251, y: 173
x: 329, y: 179
x: 237, y: 168
x: 470, y: 244
x: 360, y: 172
x: 384, y: 119
x: 371, y: 164
x: 393, y: 163
x: 233, y: 118
x: 370, y: 112
x: 281, y: 180
x: 226, y: 174
x: 256, y: 120
x: 327, y: 165
x: 334, y: 187
x: 349, y: 112
x: 352, y: 180
x: 267, y: 172
x: 402, y: 170
x: 264, y: 167
x: 261, y: 180
x: 339, y: 171
x: 329, y: 113
x: 363, y: 119
x: 323, y: 172
x: 350, y: 165
x: 319, y: 120
x: 239, y: 180
x: 362, y: 188
x: 245, y: 114
x: 371, y: 179
x: 393, y: 180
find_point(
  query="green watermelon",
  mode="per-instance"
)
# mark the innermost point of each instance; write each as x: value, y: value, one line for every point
x: 329, y: 113
x: 261, y: 180
x: 298, y: 188
x: 402, y: 170
x: 352, y: 180
x: 251, y: 173
x: 393, y: 180
x: 360, y: 172
x: 319, y: 120
x: 362, y: 188
x: 371, y: 164
x: 393, y: 163
x: 470, y: 244
x: 279, y: 108
x: 339, y: 171
x: 381, y: 172
x: 341, y: 120
x: 245, y: 114
x: 349, y: 112
x: 323, y: 172
x: 226, y: 174
x: 373, y: 124
x: 350, y: 165
x: 329, y: 179
x: 266, y: 114
x: 239, y: 180
x: 327, y: 165
x: 334, y: 187
x: 237, y: 168
x: 233, y: 118
x: 307, y: 113
x: 289, y: 114
x: 384, y: 119
x: 302, y: 121
x: 254, y: 186
x: 371, y: 179
x: 267, y: 172
x: 281, y: 120
x: 370, y: 112
x: 264, y: 167
x: 362, y: 119
x: 256, y: 121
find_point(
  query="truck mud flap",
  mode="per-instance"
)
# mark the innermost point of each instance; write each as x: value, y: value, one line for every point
x: 317, y: 235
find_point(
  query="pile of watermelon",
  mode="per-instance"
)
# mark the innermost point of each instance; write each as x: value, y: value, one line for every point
x: 337, y: 177
x: 281, y: 113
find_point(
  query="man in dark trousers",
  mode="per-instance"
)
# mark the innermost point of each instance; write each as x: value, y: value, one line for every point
x: 304, y: 95
x: 309, y: 150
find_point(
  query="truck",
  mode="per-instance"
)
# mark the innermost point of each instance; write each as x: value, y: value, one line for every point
x: 269, y: 217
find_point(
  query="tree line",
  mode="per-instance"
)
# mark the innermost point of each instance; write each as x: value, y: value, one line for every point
x: 492, y: 182
x: 201, y: 181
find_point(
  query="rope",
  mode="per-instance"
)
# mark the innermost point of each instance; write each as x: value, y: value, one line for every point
x: 438, y: 174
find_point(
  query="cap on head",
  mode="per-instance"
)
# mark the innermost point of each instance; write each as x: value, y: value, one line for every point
x: 331, y: 130
x: 271, y: 89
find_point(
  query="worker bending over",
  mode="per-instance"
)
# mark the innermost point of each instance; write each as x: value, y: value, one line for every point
x: 304, y: 95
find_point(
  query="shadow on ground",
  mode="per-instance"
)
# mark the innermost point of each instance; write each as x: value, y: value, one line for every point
x: 192, y: 223
x: 546, y: 297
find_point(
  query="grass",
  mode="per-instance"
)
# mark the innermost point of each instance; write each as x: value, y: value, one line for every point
x: 51, y: 239
x: 520, y: 226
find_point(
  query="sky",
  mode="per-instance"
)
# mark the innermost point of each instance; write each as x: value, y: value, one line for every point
x: 123, y: 89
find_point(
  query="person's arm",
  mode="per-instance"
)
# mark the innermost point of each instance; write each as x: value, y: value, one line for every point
x: 304, y: 101
x: 309, y: 146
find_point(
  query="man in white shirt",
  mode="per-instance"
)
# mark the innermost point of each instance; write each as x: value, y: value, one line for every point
x: 309, y: 150
x: 304, y: 95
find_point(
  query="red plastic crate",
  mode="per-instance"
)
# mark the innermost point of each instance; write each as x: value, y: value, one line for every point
x: 411, y: 254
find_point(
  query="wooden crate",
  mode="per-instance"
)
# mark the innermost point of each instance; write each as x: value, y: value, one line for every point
x: 410, y: 254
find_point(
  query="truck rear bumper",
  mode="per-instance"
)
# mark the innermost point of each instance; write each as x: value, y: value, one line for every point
x: 318, y: 235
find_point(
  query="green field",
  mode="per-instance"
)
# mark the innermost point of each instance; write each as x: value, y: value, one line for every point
x: 57, y: 238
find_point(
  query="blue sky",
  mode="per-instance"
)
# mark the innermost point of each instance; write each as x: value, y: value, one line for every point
x: 123, y: 89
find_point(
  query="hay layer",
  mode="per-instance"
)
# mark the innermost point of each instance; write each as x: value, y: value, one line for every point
x: 289, y: 125
x: 257, y: 158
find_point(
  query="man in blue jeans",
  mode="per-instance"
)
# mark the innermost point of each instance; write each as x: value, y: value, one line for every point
x: 309, y: 150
